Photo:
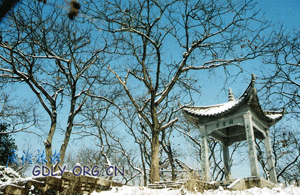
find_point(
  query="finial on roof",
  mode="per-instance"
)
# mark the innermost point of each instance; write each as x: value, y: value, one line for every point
x: 283, y: 111
x: 253, y: 80
x: 230, y: 96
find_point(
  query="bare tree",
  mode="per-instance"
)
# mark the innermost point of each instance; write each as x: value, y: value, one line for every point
x: 281, y: 89
x: 286, y: 151
x: 157, y: 44
x: 110, y: 146
x: 41, y: 48
x: 140, y: 136
x: 280, y: 75
x: 20, y: 115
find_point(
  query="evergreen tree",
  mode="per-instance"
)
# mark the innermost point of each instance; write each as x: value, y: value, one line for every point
x: 7, y: 144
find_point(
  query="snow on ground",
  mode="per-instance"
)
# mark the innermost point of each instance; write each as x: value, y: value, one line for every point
x: 7, y: 175
x: 135, y: 190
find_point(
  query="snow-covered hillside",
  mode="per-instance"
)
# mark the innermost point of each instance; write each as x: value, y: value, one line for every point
x: 8, y: 175
x: 127, y: 190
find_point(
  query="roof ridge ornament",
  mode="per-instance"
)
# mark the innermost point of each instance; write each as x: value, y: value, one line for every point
x: 253, y: 91
x: 253, y: 78
x: 230, y: 95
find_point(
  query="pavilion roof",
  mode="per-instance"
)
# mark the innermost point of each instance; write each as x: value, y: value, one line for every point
x: 249, y: 97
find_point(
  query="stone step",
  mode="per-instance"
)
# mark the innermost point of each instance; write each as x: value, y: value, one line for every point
x: 166, y: 184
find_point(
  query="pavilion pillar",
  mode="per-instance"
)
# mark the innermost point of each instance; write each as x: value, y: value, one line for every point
x: 226, y: 161
x: 270, y: 159
x: 251, y: 145
x: 204, y: 155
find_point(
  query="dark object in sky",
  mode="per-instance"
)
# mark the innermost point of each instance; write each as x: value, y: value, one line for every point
x: 44, y: 1
x: 5, y: 6
x: 75, y: 6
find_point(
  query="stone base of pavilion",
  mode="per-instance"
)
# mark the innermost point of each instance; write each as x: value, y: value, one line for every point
x: 238, y: 184
x: 250, y: 182
x: 244, y: 183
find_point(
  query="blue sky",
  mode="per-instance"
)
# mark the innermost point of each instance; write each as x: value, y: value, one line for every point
x: 286, y: 12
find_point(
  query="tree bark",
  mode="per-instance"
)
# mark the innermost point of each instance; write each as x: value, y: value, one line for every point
x: 154, y: 169
x: 48, y: 142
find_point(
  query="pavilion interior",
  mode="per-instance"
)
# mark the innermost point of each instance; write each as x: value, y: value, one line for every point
x: 234, y: 134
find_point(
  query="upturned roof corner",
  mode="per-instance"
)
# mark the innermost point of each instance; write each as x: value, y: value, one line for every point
x: 248, y: 98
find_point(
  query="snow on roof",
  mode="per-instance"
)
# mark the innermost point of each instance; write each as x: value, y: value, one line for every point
x: 213, y: 110
x: 249, y: 97
x: 274, y: 116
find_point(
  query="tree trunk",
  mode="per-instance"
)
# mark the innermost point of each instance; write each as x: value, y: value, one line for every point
x: 154, y: 169
x: 171, y: 159
x: 68, y: 130
x: 48, y: 142
x: 143, y: 165
x: 65, y: 144
x: 168, y: 150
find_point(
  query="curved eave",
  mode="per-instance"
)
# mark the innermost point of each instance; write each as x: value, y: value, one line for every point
x: 248, y: 97
x: 213, y: 111
x: 273, y: 116
x: 220, y: 109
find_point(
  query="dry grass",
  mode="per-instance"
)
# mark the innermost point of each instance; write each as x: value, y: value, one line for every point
x: 194, y: 183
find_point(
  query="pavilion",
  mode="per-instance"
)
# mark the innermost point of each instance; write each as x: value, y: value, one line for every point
x: 234, y: 121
